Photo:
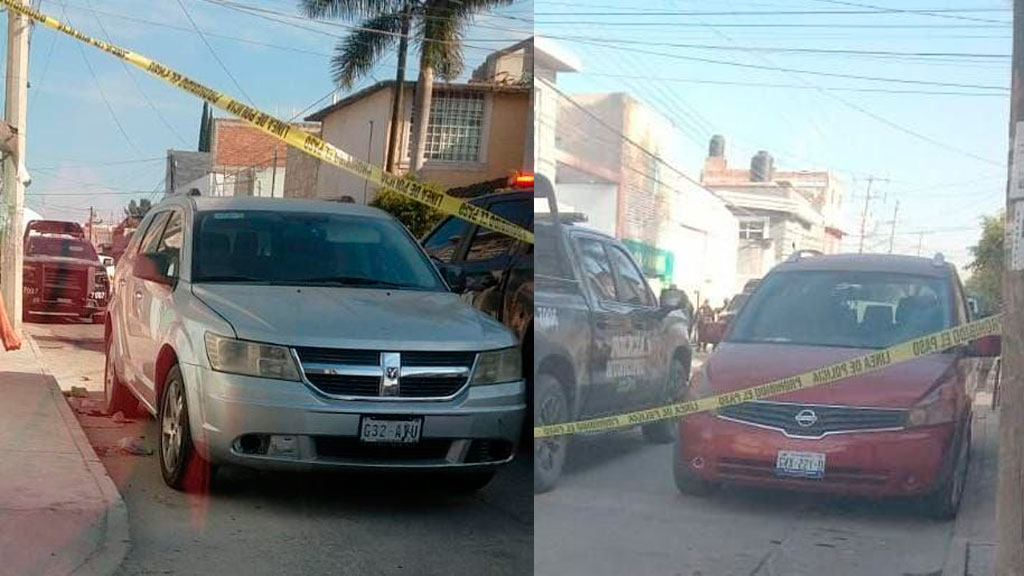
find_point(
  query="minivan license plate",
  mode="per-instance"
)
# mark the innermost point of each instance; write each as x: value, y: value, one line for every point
x: 802, y: 464
x: 389, y: 431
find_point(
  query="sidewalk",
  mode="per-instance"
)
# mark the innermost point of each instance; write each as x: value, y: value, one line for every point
x: 60, y: 512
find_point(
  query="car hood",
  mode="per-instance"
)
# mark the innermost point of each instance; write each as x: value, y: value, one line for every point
x: 333, y: 317
x: 734, y: 366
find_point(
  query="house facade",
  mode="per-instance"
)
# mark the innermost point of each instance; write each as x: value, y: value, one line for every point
x: 613, y: 165
x: 478, y: 131
x: 779, y: 212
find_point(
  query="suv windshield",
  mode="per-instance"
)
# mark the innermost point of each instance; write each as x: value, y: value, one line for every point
x: 846, y: 309
x: 62, y: 247
x: 299, y: 248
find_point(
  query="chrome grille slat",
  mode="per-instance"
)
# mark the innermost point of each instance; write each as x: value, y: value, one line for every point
x: 358, y: 374
x: 830, y: 419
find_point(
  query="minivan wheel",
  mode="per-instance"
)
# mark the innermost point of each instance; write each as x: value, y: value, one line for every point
x: 686, y: 481
x: 944, y: 502
x: 181, y: 466
x: 116, y: 396
x: 550, y: 407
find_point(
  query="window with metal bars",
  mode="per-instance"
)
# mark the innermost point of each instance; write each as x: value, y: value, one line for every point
x: 455, y: 127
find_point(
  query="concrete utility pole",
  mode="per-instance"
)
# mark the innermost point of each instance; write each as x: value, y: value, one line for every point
x: 920, y: 241
x: 864, y: 216
x: 892, y: 231
x: 14, y: 177
x: 91, y: 223
x: 1010, y: 491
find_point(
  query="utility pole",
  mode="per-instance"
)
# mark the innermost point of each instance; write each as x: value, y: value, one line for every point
x: 920, y: 240
x: 273, y: 174
x: 864, y: 216
x: 369, y: 154
x: 892, y: 231
x: 91, y: 213
x: 396, y: 102
x: 1009, y: 497
x: 16, y: 116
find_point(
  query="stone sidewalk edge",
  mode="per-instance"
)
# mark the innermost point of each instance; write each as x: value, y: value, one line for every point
x: 114, y: 544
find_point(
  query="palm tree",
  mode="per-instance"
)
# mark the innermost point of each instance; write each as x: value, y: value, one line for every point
x: 436, y: 26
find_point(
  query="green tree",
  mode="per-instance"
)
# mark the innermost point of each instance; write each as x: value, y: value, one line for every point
x: 987, y: 267
x: 138, y: 209
x: 437, y: 27
x: 417, y: 217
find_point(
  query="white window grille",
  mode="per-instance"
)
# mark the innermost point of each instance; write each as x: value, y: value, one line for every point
x: 455, y: 128
x: 752, y: 229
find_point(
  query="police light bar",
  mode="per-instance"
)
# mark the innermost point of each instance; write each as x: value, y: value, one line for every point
x: 521, y: 180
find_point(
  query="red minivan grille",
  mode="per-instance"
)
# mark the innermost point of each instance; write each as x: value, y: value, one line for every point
x: 814, y: 420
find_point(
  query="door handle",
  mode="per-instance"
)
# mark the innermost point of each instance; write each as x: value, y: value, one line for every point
x: 138, y: 294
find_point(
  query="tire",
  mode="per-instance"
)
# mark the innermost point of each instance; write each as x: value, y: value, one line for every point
x: 180, y: 465
x: 944, y: 502
x: 550, y: 407
x: 686, y: 481
x: 116, y: 396
x: 665, y: 431
x: 471, y: 482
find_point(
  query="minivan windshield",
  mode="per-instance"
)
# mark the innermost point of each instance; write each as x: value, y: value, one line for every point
x: 308, y: 249
x: 842, y: 308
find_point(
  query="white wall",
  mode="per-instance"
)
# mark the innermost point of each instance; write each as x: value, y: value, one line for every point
x: 350, y: 131
x: 597, y: 201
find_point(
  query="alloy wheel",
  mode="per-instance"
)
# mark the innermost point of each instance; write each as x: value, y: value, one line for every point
x: 171, y: 427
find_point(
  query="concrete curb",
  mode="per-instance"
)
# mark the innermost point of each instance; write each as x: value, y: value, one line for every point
x: 107, y: 557
x: 956, y: 558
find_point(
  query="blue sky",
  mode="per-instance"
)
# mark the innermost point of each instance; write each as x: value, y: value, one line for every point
x: 77, y: 155
x: 945, y: 177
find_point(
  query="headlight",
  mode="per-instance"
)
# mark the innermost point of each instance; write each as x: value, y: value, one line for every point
x: 250, y: 358
x: 938, y: 407
x: 498, y: 366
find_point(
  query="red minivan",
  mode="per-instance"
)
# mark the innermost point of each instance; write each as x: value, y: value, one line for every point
x: 902, y: 431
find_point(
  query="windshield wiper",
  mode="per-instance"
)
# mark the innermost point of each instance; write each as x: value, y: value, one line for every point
x: 354, y: 281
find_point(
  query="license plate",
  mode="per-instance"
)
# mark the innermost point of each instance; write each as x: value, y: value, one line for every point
x: 390, y: 431
x: 802, y: 464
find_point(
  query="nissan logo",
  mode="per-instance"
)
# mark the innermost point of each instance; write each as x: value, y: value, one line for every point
x: 806, y: 418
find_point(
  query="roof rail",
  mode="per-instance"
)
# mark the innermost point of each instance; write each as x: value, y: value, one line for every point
x: 796, y: 256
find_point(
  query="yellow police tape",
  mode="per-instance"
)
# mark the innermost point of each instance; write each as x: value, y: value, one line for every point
x: 871, y: 362
x: 308, y: 143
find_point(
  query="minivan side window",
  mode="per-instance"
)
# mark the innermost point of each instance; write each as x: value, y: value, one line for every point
x: 597, y: 271
x: 149, y: 241
x: 442, y: 244
x: 170, y: 245
x: 631, y: 285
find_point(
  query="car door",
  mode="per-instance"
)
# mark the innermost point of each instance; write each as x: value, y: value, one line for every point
x: 125, y: 282
x: 642, y: 354
x: 491, y: 257
x: 444, y: 242
x: 611, y: 375
x: 155, y: 306
x: 133, y: 305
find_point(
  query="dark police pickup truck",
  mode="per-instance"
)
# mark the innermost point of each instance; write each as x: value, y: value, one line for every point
x: 604, y: 345
x: 498, y: 268
x: 63, y: 275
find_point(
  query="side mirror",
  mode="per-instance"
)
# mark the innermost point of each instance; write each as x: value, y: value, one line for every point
x: 986, y: 346
x: 150, y: 267
x: 455, y: 276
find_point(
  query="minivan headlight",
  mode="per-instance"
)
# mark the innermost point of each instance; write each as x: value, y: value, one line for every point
x: 498, y: 366
x: 250, y: 358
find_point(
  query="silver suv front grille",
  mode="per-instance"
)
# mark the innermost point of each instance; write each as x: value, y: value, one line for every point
x: 365, y: 374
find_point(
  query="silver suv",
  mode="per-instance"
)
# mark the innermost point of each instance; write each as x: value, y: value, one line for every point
x: 276, y: 333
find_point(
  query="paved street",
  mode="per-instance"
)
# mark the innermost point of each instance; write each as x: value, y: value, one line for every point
x: 254, y: 523
x: 617, y: 511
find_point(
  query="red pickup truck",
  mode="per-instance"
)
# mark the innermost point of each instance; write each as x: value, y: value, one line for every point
x: 63, y: 275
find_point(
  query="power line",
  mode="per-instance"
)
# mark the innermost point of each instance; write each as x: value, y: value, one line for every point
x: 214, y: 53
x: 614, y: 46
x: 876, y: 12
x: 618, y: 24
x: 135, y: 81
x: 798, y: 86
x: 934, y: 13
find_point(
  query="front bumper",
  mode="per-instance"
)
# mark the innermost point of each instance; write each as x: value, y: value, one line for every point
x: 478, y: 429
x: 878, y: 464
x: 38, y: 304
